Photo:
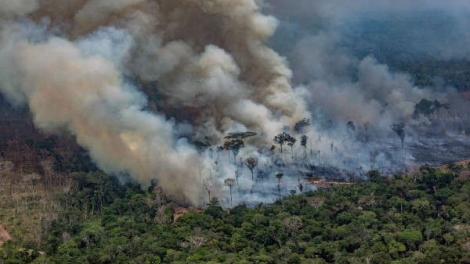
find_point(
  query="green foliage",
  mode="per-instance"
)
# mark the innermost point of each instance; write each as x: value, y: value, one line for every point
x: 427, y: 108
x: 411, y: 238
x: 423, y: 218
x: 214, y: 209
x: 240, y: 135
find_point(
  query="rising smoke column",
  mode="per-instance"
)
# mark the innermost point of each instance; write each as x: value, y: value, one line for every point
x: 200, y: 53
x: 66, y: 90
x: 205, y: 64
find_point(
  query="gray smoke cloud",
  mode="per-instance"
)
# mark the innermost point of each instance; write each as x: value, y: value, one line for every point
x: 12, y: 9
x: 134, y: 80
x: 433, y: 29
x: 338, y: 52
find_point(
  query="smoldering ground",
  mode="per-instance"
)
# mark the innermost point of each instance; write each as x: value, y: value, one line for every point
x: 141, y: 83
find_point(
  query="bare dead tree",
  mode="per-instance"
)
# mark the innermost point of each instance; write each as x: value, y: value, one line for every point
x: 303, y: 143
x: 251, y: 163
x: 399, y: 129
x: 208, y: 189
x: 280, y: 139
x: 300, y: 185
x: 279, y: 177
x: 290, y: 142
x: 230, y: 183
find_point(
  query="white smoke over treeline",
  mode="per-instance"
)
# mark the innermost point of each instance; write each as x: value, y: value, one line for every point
x: 338, y: 52
x: 140, y: 82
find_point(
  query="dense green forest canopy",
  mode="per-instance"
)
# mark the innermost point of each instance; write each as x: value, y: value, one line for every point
x: 418, y: 218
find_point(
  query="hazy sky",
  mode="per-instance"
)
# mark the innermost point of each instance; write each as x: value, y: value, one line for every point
x: 437, y: 29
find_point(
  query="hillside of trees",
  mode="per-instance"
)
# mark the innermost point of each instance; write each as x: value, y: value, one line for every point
x: 418, y: 218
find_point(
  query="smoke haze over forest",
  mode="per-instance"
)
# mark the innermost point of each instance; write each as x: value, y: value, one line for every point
x: 142, y: 83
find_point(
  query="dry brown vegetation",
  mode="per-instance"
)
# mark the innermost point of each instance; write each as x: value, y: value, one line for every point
x: 28, y: 207
x: 28, y: 178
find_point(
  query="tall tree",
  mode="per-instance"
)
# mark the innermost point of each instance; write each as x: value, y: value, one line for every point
x: 290, y: 142
x: 230, y: 182
x: 279, y: 177
x: 251, y: 163
x: 281, y: 139
x: 208, y: 188
x: 303, y: 143
x: 366, y: 129
x: 214, y: 209
x: 301, y: 186
x: 234, y: 145
x: 399, y: 129
x: 284, y: 138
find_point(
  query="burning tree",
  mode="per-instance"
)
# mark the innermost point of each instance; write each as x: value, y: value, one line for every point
x: 251, y: 163
x: 230, y: 182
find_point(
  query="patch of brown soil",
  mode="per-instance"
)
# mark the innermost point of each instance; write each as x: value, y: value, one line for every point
x: 4, y: 235
x: 180, y: 211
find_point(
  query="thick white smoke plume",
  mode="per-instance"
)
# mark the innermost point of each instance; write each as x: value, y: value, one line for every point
x: 134, y: 80
x: 141, y: 83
